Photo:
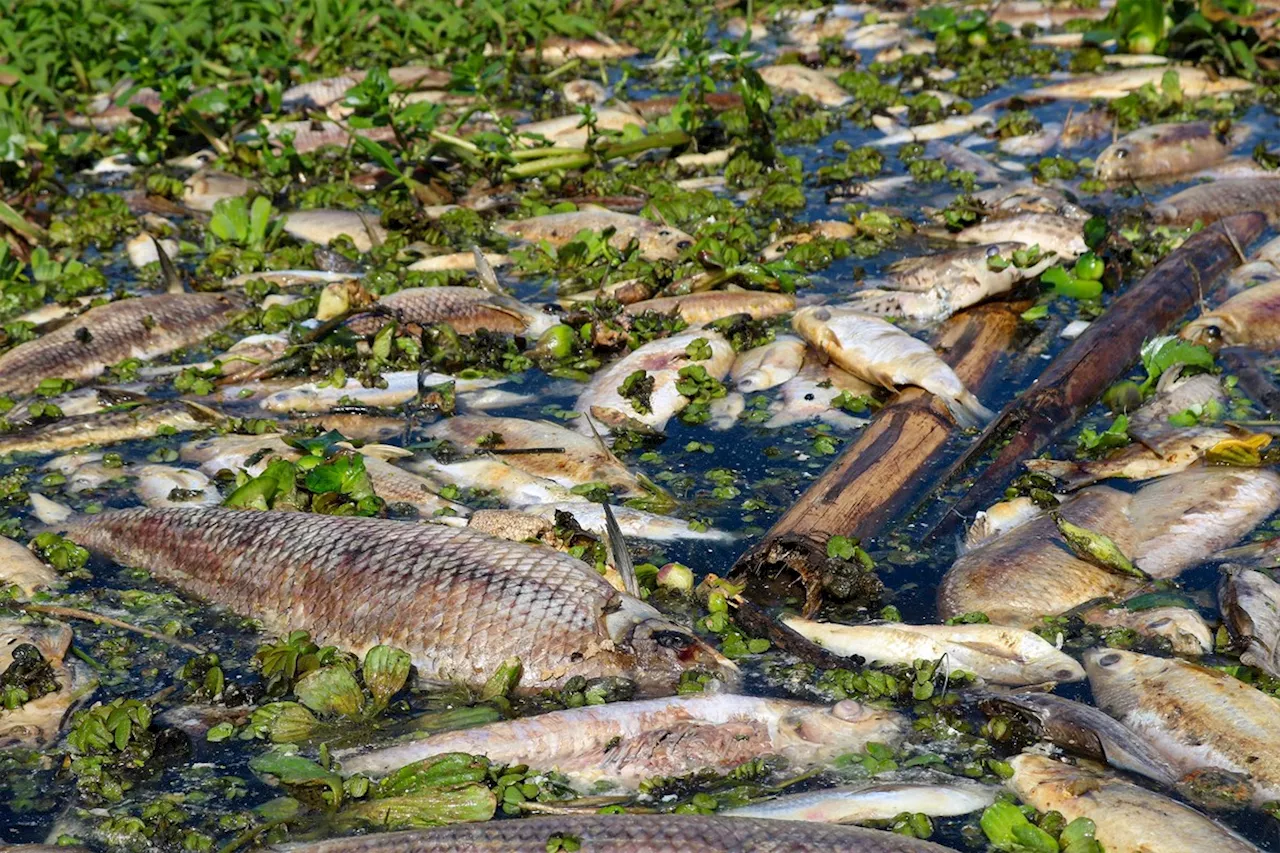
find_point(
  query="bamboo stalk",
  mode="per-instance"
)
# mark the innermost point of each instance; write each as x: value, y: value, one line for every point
x: 1097, y: 359
x: 875, y: 478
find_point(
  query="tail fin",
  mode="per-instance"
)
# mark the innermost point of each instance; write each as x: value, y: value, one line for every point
x: 1071, y: 474
x: 969, y: 412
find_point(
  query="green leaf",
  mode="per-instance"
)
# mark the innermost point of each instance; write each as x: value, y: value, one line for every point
x: 380, y: 154
x: 1008, y: 829
x: 1162, y: 353
x: 296, y: 770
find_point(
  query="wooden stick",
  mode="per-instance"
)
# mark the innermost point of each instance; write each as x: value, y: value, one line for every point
x: 98, y: 618
x: 1095, y: 360
x: 875, y: 478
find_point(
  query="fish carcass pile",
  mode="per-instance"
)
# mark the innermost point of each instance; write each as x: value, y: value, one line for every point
x: 806, y: 429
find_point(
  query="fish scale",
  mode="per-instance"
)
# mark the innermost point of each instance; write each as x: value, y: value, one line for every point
x: 131, y: 328
x: 459, y: 602
x: 466, y: 309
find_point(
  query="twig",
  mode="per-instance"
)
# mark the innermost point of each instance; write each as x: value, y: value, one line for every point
x: 98, y: 618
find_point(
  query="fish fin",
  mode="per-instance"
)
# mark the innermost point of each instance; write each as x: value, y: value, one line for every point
x: 173, y: 280
x: 618, y: 550
x: 883, y: 303
x: 203, y: 412
x: 969, y: 412
x: 840, y: 420
x: 385, y: 452
x: 484, y: 272
x: 1072, y: 474
x: 48, y: 511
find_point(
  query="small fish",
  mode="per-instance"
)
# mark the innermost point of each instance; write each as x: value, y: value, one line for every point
x: 1085, y: 126
x: 661, y: 360
x: 1195, y: 716
x: 623, y: 743
x: 634, y: 523
x: 1084, y: 730
x: 207, y: 187
x: 1034, y: 144
x: 1051, y: 232
x: 513, y: 486
x: 1165, y: 149
x: 576, y: 460
x: 630, y: 833
x: 656, y: 241
x: 769, y: 365
x: 880, y: 352
x: 402, y: 386
x: 37, y: 722
x: 1179, y: 450
x: 459, y: 602
x: 1251, y: 318
x: 558, y: 50
x: 19, y: 567
x: 464, y: 261
x: 111, y: 427
x: 698, y: 309
x: 1015, y: 198
x: 311, y: 136
x: 291, y: 278
x: 167, y: 486
x: 1184, y: 628
x: 141, y: 328
x: 323, y: 226
x: 998, y: 519
x: 1043, y: 15
x: 944, y: 797
x: 1250, y: 603
x: 582, y: 91
x: 464, y: 309
x: 1207, y: 203
x: 896, y: 134
x: 997, y: 654
x: 1194, y: 82
x: 959, y: 157
x: 797, y: 79
x: 809, y: 394
x: 1128, y: 819
x: 570, y: 131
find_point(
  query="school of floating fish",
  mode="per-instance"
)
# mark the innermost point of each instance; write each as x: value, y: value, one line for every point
x: 369, y: 474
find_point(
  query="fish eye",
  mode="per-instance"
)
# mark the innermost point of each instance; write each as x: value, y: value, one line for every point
x: 808, y: 397
x: 671, y: 639
x: 993, y: 251
x: 1109, y: 660
x: 684, y: 244
x: 1122, y: 153
x: 1213, y: 333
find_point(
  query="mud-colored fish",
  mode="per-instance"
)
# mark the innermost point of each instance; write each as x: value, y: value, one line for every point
x: 291, y: 278
x: 1051, y: 232
x: 110, y: 427
x: 318, y: 94
x: 1164, y: 149
x: 459, y: 602
x: 1179, y: 450
x: 656, y: 241
x: 207, y: 187
x: 808, y: 395
x: 578, y: 459
x: 661, y: 360
x: 465, y: 309
x: 1251, y: 318
x: 1207, y: 203
x: 558, y: 50
x: 1195, y: 716
x: 880, y: 352
x: 36, y: 722
x: 1084, y: 730
x: 1011, y: 199
x: 141, y: 328
x: 631, y: 833
x: 938, y: 796
x: 570, y: 131
x: 623, y: 743
x: 401, y: 387
x: 516, y: 488
x: 1184, y: 628
x: 1128, y: 819
x: 797, y: 79
x: 698, y: 309
x: 997, y: 654
x: 634, y: 523
x: 896, y: 134
x: 465, y: 261
x: 19, y: 567
x: 1250, y: 603
x: 1085, y: 126
x: 311, y: 136
x: 959, y: 157
x: 767, y: 366
x: 1044, y: 15
x: 323, y: 226
x: 1195, y: 83
x: 1034, y: 144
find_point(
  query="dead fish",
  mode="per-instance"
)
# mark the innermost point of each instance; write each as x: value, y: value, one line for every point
x: 141, y: 328
x: 318, y: 94
x: 809, y: 394
x: 698, y: 309
x: 767, y: 366
x: 570, y: 131
x: 1250, y: 318
x: 826, y: 229
x: 141, y: 249
x: 997, y: 654
x: 1184, y: 628
x: 1044, y: 15
x: 401, y: 387
x: 30, y: 646
x: 801, y: 80
x: 1197, y: 717
x: 943, y: 796
x: 464, y: 309
x: 1199, y: 394
x: 624, y: 743
x: 1194, y: 82
x: 632, y: 833
x: 1051, y: 232
x: 1165, y: 149
x: 1011, y: 199
x: 460, y: 603
x: 515, y: 487
x: 1035, y: 144
x: 557, y: 50
x: 581, y: 91
x: 167, y: 486
x: 997, y: 520
x: 656, y: 241
x: 291, y: 278
x: 578, y: 459
x: 207, y: 187
x: 323, y: 226
x: 660, y: 360
x: 1250, y: 603
x: 19, y: 567
x: 634, y: 523
x: 111, y: 427
x: 880, y: 352
x: 1207, y: 203
x: 959, y: 157
x: 1179, y: 450
x: 896, y: 134
x: 1085, y: 127
x: 1128, y: 819
x: 311, y: 136
x: 464, y: 261
x: 1084, y: 730
x: 875, y: 188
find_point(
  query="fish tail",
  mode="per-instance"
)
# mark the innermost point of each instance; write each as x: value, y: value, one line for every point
x: 1071, y: 474
x: 842, y: 421
x: 968, y: 411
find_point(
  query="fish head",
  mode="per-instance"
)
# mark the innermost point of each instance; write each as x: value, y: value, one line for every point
x: 846, y: 726
x: 663, y: 650
x: 1116, y: 677
x: 1113, y: 164
x: 1214, y: 330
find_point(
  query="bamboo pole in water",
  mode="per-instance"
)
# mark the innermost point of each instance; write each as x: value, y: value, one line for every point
x: 1098, y: 358
x: 875, y: 478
